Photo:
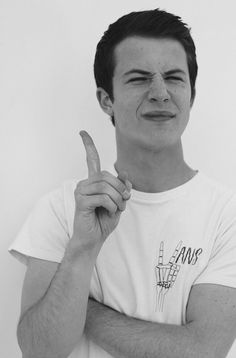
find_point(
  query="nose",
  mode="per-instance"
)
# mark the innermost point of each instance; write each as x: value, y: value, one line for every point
x: 158, y: 91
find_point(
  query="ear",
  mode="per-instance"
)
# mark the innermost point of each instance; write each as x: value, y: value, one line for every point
x: 192, y: 98
x: 104, y: 101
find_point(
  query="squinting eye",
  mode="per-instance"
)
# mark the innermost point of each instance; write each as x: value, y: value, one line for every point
x: 137, y: 79
x: 174, y: 78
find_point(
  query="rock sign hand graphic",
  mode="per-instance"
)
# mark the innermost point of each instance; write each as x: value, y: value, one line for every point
x: 165, y: 275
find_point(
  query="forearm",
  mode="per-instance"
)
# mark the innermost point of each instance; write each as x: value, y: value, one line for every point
x: 123, y: 336
x: 54, y: 325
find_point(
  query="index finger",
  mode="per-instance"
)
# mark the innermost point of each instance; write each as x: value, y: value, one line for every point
x: 161, y: 250
x: 92, y: 156
x: 173, y: 257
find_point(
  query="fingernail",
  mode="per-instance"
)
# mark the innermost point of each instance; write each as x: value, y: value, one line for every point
x: 126, y: 194
x: 82, y: 133
x: 128, y: 184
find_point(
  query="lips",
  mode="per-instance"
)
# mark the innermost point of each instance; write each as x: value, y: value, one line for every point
x: 159, y: 115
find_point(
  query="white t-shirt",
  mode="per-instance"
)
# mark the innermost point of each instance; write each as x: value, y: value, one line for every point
x: 163, y: 245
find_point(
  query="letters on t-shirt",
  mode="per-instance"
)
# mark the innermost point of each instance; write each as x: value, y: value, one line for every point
x: 188, y: 255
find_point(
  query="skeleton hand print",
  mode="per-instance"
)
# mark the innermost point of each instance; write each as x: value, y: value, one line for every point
x: 165, y: 275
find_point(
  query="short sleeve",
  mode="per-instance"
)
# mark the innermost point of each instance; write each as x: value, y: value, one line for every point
x: 221, y: 267
x: 45, y: 233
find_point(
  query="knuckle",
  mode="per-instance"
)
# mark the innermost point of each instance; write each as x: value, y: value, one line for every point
x: 78, y: 188
x: 98, y: 176
x: 105, y: 173
x: 76, y: 192
x: 80, y: 185
x: 102, y: 186
x: 79, y: 191
x: 105, y: 199
x: 121, y: 187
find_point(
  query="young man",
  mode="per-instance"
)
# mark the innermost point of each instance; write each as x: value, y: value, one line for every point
x: 140, y: 260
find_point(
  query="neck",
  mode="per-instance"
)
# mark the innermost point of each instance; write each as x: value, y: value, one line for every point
x: 154, y: 171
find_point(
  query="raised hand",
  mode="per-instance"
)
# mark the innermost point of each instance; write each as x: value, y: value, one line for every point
x: 100, y: 199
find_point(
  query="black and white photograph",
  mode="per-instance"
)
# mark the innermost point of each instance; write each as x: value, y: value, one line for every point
x: 118, y: 168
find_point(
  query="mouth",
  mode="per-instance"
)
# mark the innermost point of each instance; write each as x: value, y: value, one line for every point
x: 159, y: 116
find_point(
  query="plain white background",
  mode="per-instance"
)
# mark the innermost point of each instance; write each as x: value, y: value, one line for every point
x: 47, y: 95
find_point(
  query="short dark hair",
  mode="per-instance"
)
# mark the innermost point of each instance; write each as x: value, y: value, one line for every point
x: 150, y: 24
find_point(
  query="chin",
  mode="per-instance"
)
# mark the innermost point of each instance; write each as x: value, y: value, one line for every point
x: 160, y: 142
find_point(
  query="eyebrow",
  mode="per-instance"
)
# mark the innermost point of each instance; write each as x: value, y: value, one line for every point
x: 137, y: 70
x: 175, y: 70
x: 147, y: 73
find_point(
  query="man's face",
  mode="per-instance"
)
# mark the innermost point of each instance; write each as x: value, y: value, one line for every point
x: 151, y: 104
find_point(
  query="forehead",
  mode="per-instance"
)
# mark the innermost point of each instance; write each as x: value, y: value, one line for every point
x: 149, y: 54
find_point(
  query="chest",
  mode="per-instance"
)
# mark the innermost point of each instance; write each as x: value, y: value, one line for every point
x: 148, y: 265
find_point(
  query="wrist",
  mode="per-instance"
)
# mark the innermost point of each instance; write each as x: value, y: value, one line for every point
x: 78, y: 249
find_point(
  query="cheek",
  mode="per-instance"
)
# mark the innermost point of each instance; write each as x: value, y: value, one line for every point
x: 182, y: 100
x: 126, y: 106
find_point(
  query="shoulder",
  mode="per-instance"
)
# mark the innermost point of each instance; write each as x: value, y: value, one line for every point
x: 61, y: 198
x: 62, y: 192
x: 54, y: 211
x: 214, y: 190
